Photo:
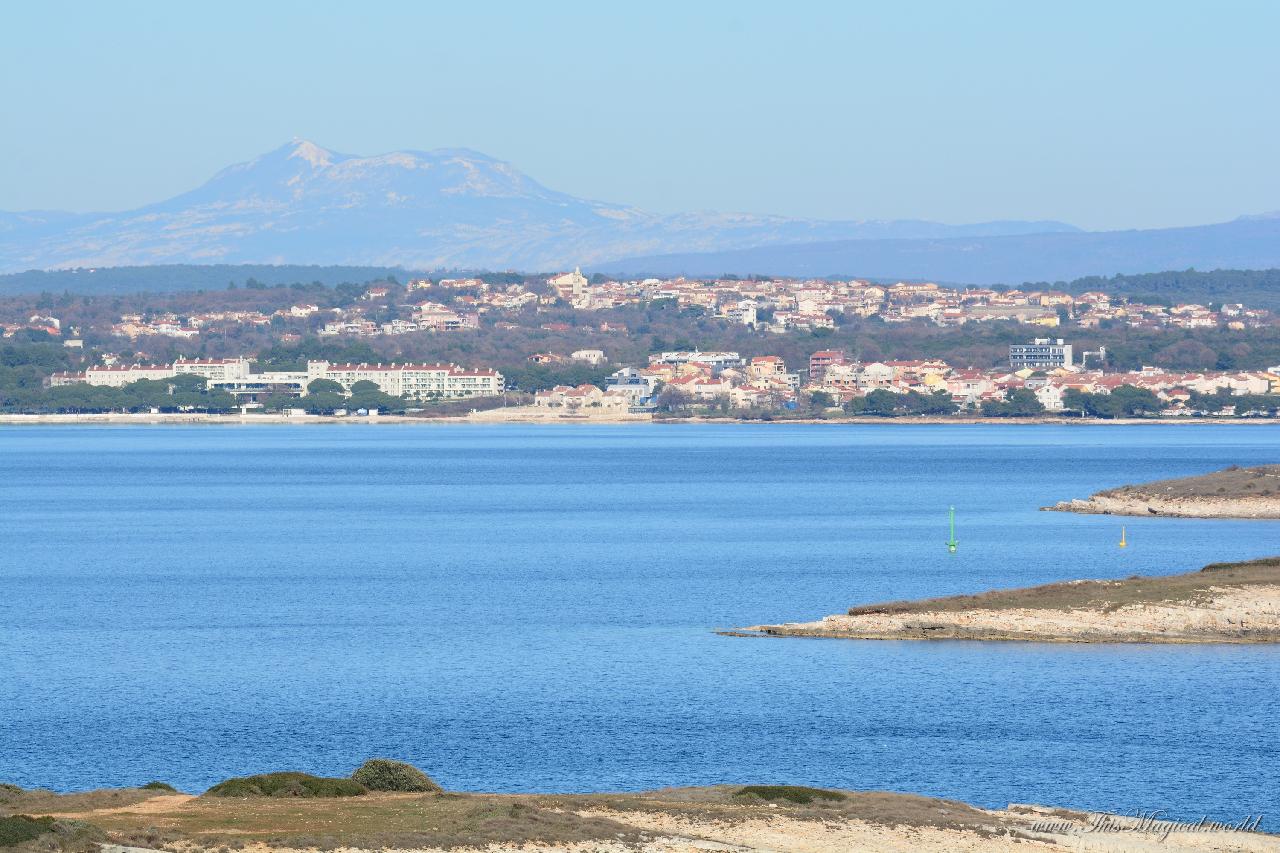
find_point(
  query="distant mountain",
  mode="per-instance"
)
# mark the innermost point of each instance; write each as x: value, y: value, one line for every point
x: 1250, y: 242
x: 173, y: 278
x: 303, y: 204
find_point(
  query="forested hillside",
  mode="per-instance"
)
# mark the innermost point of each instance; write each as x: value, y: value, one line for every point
x: 1256, y: 288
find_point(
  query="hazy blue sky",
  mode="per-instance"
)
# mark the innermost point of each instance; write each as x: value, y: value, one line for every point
x: 1107, y: 114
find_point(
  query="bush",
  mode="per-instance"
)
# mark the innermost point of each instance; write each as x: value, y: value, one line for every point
x: 382, y: 774
x: 159, y: 786
x: 19, y: 828
x: 286, y: 785
x: 791, y: 793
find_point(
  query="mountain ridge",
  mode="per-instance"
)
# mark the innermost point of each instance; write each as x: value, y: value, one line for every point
x: 1247, y: 242
x: 447, y: 207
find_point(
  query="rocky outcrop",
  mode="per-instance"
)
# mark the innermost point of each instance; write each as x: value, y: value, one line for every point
x: 1248, y: 615
x: 1233, y: 492
x: 1137, y: 503
x: 1221, y: 603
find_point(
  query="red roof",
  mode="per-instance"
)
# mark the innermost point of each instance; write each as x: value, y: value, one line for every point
x: 125, y: 368
x: 451, y: 369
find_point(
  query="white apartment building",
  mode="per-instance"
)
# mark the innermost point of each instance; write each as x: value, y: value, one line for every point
x: 214, y: 369
x: 1040, y: 353
x: 416, y: 381
x: 717, y: 360
x: 744, y: 311
x: 115, y: 376
x: 259, y: 385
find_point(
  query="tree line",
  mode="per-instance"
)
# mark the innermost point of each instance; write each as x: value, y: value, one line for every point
x: 1255, y: 288
x: 186, y: 393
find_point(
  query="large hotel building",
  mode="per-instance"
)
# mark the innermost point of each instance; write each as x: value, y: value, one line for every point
x: 414, y: 381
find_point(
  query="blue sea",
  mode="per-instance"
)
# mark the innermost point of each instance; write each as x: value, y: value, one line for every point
x: 533, y: 608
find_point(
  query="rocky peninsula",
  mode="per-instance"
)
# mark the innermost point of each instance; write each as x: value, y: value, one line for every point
x: 1221, y: 603
x: 307, y: 813
x: 1230, y: 493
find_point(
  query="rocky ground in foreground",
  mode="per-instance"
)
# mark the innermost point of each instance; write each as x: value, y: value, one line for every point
x: 1221, y: 603
x: 1231, y: 493
x: 723, y: 818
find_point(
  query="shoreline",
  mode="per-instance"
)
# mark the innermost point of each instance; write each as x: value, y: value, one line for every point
x: 488, y: 417
x: 779, y: 818
x: 1242, y: 493
x: 1223, y: 603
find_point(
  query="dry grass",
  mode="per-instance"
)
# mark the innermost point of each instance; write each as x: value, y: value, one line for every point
x: 1096, y: 595
x: 1232, y: 482
x: 24, y: 834
x: 15, y: 800
x: 443, y: 820
x: 723, y: 804
x: 17, y: 829
x: 374, y: 821
x: 719, y: 817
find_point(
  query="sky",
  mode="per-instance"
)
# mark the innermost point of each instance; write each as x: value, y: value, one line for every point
x: 1103, y: 114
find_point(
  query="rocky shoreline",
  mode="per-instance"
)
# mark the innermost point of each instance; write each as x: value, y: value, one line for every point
x: 1222, y: 603
x: 1231, y: 493
x: 1148, y: 506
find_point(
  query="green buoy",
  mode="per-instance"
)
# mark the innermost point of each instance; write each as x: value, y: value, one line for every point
x: 952, y: 544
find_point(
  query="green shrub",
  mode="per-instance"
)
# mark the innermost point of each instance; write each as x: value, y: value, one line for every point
x: 383, y: 774
x: 286, y: 785
x: 159, y: 786
x: 9, y: 792
x: 791, y: 793
x: 19, y: 828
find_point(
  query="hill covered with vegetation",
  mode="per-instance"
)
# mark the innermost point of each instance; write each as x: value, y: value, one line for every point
x: 168, y: 278
x: 1256, y: 288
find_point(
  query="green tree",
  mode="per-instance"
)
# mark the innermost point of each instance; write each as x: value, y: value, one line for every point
x: 1018, y: 403
x: 937, y: 403
x: 821, y: 400
x: 323, y: 402
x: 325, y: 386
x: 188, y: 383
x: 1136, y: 402
x: 280, y: 402
x: 1126, y: 401
x: 878, y: 403
x: 373, y: 398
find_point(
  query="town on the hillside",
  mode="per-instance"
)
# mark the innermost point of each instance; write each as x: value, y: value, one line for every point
x: 1042, y: 374
x: 773, y: 305
x: 1042, y: 377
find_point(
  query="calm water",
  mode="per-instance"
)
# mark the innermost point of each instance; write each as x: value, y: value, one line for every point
x: 531, y: 608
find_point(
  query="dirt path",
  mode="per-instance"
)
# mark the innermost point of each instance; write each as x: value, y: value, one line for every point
x: 156, y: 805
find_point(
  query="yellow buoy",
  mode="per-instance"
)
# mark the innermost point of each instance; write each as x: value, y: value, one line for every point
x: 1123, y: 543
